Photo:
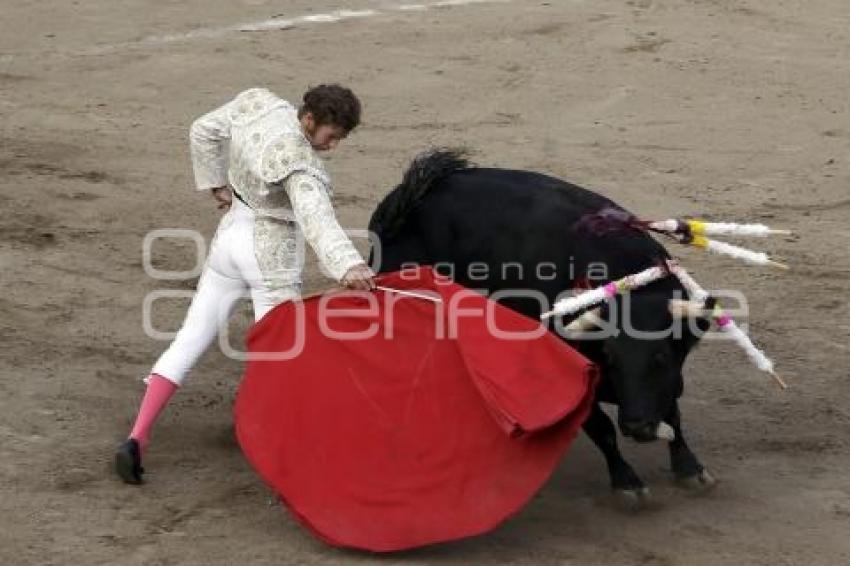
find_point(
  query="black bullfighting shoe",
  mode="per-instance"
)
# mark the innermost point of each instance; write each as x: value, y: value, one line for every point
x: 128, y: 462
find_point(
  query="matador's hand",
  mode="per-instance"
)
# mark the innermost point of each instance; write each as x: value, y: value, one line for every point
x: 359, y: 277
x: 223, y: 196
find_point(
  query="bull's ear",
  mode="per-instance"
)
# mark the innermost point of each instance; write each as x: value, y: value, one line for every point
x: 681, y: 309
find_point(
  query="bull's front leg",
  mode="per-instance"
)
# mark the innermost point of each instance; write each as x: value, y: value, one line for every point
x: 628, y: 487
x: 687, y: 469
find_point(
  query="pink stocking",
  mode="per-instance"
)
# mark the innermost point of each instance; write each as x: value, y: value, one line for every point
x: 158, y: 393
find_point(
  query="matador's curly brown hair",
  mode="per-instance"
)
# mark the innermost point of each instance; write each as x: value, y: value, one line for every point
x: 332, y: 104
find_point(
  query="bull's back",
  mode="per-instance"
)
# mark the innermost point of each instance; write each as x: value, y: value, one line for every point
x: 495, y: 216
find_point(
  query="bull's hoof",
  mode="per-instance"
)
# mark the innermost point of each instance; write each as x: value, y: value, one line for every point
x: 633, y: 500
x: 699, y: 483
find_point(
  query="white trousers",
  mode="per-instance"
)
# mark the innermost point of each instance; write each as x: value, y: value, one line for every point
x: 231, y: 269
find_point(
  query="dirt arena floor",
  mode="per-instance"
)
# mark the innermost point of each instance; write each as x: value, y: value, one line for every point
x: 732, y: 109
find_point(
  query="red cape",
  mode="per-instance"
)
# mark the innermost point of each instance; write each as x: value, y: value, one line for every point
x: 385, y: 443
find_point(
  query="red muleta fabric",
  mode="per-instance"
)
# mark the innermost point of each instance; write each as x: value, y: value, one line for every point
x: 405, y: 436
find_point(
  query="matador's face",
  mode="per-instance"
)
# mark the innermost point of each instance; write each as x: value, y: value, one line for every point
x: 323, y: 137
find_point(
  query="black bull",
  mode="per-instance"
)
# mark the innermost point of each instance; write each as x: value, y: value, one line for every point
x: 506, y: 230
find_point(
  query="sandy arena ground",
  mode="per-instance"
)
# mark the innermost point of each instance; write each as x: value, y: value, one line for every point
x: 734, y: 109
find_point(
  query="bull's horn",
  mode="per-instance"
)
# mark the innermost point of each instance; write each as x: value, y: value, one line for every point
x: 587, y: 321
x: 686, y: 309
x: 665, y: 432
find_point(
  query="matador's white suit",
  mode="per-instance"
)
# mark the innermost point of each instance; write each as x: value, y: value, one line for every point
x: 281, y: 197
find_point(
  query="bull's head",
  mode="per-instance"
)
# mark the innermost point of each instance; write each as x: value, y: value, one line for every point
x: 642, y: 348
